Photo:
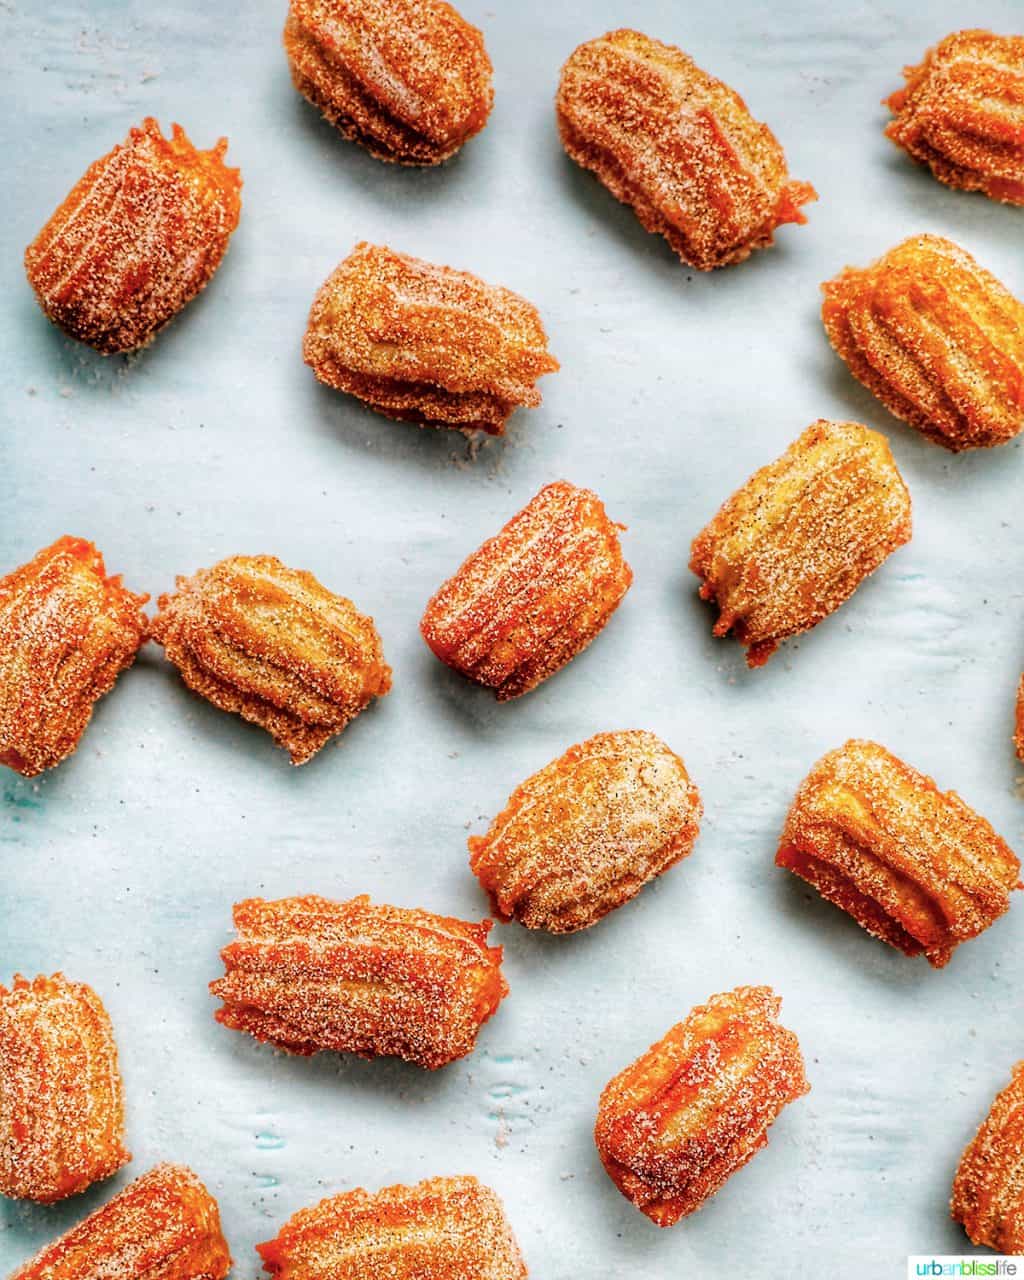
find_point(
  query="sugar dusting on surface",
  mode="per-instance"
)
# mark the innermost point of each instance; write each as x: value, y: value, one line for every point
x: 308, y: 974
x: 584, y: 835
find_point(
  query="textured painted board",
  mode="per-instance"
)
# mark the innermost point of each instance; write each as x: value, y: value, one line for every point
x: 121, y: 866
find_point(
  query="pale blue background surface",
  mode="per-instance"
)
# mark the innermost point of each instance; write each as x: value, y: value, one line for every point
x: 120, y: 867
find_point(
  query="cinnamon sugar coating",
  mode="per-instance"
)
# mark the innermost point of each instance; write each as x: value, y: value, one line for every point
x: 426, y: 344
x: 532, y: 597
x: 936, y: 338
x: 61, y: 1096
x: 440, y: 1229
x: 163, y: 1226
x: 67, y: 631
x: 913, y: 865
x: 275, y: 646
x: 1018, y: 736
x: 677, y: 1123
x: 962, y: 113
x: 586, y: 833
x: 307, y: 974
x: 794, y: 542
x: 138, y: 236
x: 677, y: 145
x: 988, y: 1190
x: 409, y: 80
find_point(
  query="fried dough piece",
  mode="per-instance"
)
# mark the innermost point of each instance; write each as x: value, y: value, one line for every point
x: 913, y: 865
x: 275, y: 646
x: 677, y: 145
x: 794, y: 542
x: 1018, y: 737
x: 426, y: 344
x: 532, y: 597
x: 307, y: 974
x: 936, y: 338
x: 962, y: 113
x: 61, y: 1096
x: 440, y: 1229
x: 140, y: 235
x: 67, y: 631
x: 409, y: 80
x: 586, y: 833
x: 163, y: 1226
x: 677, y: 1123
x: 988, y: 1194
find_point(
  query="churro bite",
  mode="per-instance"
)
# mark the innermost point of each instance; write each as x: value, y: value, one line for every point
x: 677, y: 1123
x: 586, y: 833
x: 961, y: 113
x: 139, y: 235
x: 163, y: 1226
x: 936, y: 338
x: 409, y: 80
x: 441, y: 1229
x: 678, y: 146
x: 794, y: 542
x: 426, y: 344
x: 61, y: 1097
x: 1018, y: 737
x: 275, y: 646
x: 67, y: 631
x: 533, y: 596
x: 913, y: 865
x: 988, y: 1194
x: 307, y: 974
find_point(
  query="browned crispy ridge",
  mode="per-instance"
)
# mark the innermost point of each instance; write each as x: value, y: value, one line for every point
x: 988, y: 1190
x: 426, y: 344
x: 913, y: 865
x: 533, y: 596
x: 795, y: 542
x: 308, y: 974
x: 677, y: 1123
x: 586, y: 833
x: 139, y: 235
x: 962, y: 113
x: 441, y: 1229
x: 61, y: 1097
x: 936, y: 338
x: 275, y: 646
x: 410, y: 80
x: 163, y: 1226
x: 677, y: 145
x: 67, y: 631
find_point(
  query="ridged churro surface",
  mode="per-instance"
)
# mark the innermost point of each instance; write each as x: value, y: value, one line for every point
x: 409, y: 80
x: 794, y: 542
x: 587, y: 832
x: 533, y: 596
x: 677, y: 145
x: 915, y: 866
x: 67, y: 631
x: 307, y: 974
x: 440, y: 1229
x: 677, y: 1123
x: 961, y: 113
x: 61, y: 1096
x: 988, y: 1190
x: 139, y: 235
